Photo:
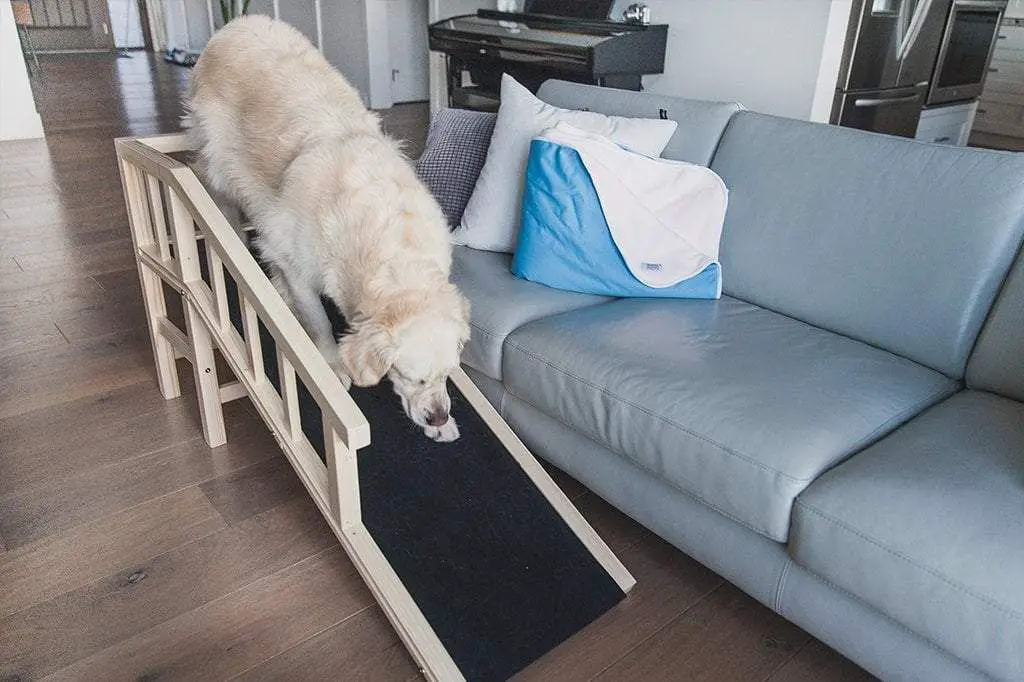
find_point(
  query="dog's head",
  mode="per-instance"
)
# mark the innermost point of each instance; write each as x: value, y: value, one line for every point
x: 418, y: 345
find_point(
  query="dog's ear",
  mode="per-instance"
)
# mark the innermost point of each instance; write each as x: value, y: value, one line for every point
x: 366, y: 354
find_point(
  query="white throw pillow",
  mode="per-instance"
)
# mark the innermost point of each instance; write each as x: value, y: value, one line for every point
x: 491, y: 219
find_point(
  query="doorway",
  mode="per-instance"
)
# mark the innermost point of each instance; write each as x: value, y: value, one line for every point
x: 408, y: 50
x: 126, y: 24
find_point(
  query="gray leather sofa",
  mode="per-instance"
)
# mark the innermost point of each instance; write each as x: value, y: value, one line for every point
x: 842, y: 434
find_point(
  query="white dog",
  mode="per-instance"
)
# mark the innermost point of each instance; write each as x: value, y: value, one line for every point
x: 338, y: 211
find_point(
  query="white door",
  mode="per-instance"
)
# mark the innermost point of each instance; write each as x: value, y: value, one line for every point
x: 408, y: 50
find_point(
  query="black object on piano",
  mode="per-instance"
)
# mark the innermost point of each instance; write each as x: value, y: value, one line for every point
x: 579, y: 9
x: 542, y: 43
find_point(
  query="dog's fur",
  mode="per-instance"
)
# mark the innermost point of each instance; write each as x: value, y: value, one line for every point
x: 338, y: 211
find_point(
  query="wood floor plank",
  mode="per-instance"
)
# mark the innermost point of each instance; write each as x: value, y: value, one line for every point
x: 816, y: 662
x: 58, y: 217
x: 49, y: 297
x: 572, y: 488
x: 69, y: 498
x: 83, y: 261
x: 59, y: 238
x: 244, y: 628
x: 106, y: 427
x: 363, y: 647
x: 46, y: 378
x: 154, y: 590
x: 121, y: 310
x: 249, y: 491
x: 27, y: 336
x: 45, y: 569
x: 726, y: 637
x: 615, y: 528
x: 668, y: 583
x: 76, y: 308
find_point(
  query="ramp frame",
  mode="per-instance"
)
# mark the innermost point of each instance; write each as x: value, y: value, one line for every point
x: 170, y: 212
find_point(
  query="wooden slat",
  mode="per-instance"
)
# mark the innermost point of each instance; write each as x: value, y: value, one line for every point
x: 342, y: 478
x: 253, y: 344
x: 137, y: 202
x: 219, y: 287
x: 290, y: 396
x: 204, y: 369
x: 232, y: 391
x: 157, y: 215
x: 176, y: 338
x: 187, y: 255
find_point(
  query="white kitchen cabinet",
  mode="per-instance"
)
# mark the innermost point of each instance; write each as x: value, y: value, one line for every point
x: 1001, y: 107
x: 949, y: 124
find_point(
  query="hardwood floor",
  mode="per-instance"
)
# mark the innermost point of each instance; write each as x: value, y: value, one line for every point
x: 130, y: 550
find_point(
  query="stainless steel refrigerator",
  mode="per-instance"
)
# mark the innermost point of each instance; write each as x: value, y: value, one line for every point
x: 890, y: 53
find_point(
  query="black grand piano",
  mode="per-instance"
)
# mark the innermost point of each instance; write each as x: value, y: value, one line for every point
x: 572, y: 40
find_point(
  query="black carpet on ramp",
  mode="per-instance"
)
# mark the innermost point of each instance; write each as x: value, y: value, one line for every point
x: 496, y: 571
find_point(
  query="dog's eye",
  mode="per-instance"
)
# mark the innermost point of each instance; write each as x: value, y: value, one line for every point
x: 422, y: 382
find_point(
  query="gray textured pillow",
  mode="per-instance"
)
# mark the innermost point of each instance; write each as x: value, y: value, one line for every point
x: 455, y: 152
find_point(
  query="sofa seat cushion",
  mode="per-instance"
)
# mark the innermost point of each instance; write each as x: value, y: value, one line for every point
x: 500, y: 302
x: 734, y: 404
x: 926, y: 526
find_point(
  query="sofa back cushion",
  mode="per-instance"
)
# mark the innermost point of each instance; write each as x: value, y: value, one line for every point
x: 897, y: 243
x: 997, y: 363
x: 700, y: 123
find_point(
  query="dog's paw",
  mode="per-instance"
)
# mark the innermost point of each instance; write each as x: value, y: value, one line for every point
x: 334, y: 362
x: 346, y: 380
x: 443, y: 434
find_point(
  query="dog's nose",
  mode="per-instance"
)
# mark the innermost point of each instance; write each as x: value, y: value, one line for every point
x: 437, y: 418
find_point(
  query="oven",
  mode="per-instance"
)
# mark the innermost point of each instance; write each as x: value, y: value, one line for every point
x: 970, y: 38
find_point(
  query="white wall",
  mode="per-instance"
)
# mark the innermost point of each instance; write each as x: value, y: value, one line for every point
x: 338, y: 27
x: 346, y: 41
x: 18, y: 116
x: 1015, y: 9
x: 442, y: 9
x: 765, y: 54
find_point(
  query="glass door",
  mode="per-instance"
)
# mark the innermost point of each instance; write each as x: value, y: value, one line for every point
x: 966, y: 50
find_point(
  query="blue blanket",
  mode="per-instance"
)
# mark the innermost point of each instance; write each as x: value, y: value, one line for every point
x: 599, y: 219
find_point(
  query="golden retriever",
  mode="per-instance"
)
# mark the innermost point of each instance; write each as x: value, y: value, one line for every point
x: 338, y: 212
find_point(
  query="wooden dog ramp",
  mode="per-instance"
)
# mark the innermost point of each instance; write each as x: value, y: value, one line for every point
x: 477, y: 558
